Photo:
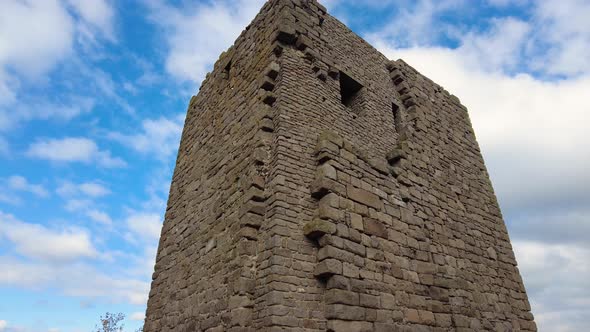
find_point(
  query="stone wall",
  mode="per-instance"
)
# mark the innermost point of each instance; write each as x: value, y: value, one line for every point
x: 295, y: 208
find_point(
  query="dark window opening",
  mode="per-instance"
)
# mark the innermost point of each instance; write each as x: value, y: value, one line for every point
x: 349, y: 89
x: 227, y: 70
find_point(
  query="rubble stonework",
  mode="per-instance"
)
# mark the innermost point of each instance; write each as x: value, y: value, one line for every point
x: 320, y: 186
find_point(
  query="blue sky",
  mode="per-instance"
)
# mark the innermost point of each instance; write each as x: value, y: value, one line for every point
x: 92, y: 101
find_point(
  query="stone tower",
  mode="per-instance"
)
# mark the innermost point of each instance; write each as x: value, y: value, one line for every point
x: 320, y: 186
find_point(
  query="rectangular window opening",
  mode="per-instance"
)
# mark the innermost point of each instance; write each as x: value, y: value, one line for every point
x: 227, y: 70
x: 349, y: 89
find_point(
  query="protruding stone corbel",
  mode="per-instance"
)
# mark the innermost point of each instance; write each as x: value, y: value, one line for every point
x: 317, y: 228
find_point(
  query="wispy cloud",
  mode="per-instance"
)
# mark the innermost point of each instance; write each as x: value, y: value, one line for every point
x: 20, y: 183
x: 145, y: 225
x: 38, y: 35
x: 39, y: 242
x: 196, y: 34
x: 158, y: 138
x: 73, y: 149
x: 137, y: 316
x: 92, y: 189
x: 76, y: 280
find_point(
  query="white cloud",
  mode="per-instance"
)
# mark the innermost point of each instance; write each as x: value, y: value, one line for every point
x: 158, y: 138
x: 557, y: 279
x: 79, y: 199
x: 75, y: 205
x: 77, y: 280
x: 34, y: 35
x: 3, y: 325
x: 145, y: 225
x: 563, y: 35
x: 98, y: 16
x: 65, y: 260
x: 8, y: 85
x: 12, y: 117
x: 99, y: 216
x: 498, y: 48
x: 137, y: 316
x: 91, y: 189
x: 94, y: 189
x: 73, y: 149
x: 9, y: 198
x: 420, y: 25
x: 20, y: 183
x: 39, y: 242
x: 197, y: 34
x: 504, y: 3
x: 35, y: 38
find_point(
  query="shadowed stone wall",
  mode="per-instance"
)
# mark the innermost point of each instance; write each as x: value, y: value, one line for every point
x: 304, y: 202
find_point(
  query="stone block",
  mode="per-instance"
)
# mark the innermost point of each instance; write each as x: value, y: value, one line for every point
x: 374, y: 227
x: 386, y: 327
x: 326, y: 170
x: 286, y: 33
x: 253, y: 207
x: 350, y: 270
x: 388, y: 301
x: 364, y: 197
x: 356, y: 221
x: 328, y: 147
x: 492, y: 253
x: 240, y: 301
x: 303, y: 42
x: 345, y: 312
x: 266, y: 125
x: 369, y: 301
x: 318, y: 228
x: 338, y: 282
x: 443, y: 320
x: 248, y: 233
x: 254, y: 194
x: 323, y: 186
x: 327, y: 268
x: 461, y: 320
x: 348, y: 326
x: 333, y: 137
x: 330, y: 251
x: 241, y: 317
x: 339, y: 296
x: 426, y: 317
x: 380, y: 165
x: 395, y: 155
x: 412, y: 316
x: 327, y: 212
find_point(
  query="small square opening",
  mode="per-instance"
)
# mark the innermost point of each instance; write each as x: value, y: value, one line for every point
x: 349, y: 89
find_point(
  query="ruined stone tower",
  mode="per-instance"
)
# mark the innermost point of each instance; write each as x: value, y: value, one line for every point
x: 320, y: 186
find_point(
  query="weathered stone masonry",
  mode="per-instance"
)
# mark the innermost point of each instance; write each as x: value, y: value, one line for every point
x: 321, y: 187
